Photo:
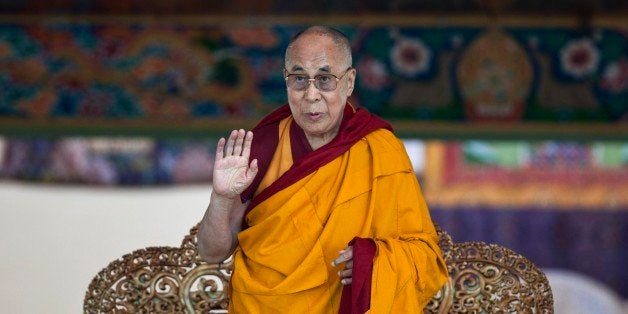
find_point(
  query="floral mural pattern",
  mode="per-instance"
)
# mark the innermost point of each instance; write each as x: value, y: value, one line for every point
x: 579, y: 58
x: 175, y: 72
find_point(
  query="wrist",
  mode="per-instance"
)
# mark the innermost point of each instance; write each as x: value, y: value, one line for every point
x: 223, y: 201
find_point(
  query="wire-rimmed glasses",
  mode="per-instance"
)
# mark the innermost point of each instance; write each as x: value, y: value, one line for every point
x: 324, y: 82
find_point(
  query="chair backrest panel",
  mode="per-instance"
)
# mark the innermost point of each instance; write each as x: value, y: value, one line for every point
x: 488, y: 278
x: 484, y: 278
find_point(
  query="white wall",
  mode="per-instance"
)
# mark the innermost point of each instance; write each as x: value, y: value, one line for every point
x: 55, y: 239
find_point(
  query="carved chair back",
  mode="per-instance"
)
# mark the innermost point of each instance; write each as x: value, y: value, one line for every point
x: 484, y: 278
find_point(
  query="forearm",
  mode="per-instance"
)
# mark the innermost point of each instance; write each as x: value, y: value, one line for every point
x: 216, y: 238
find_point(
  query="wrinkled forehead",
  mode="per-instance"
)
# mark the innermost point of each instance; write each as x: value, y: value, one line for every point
x: 314, y: 54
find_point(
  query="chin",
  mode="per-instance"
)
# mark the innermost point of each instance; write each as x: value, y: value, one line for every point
x: 315, y: 132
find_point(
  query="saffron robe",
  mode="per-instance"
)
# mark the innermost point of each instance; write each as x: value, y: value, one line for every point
x: 305, y: 211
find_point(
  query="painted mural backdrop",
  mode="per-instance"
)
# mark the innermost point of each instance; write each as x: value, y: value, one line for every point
x: 176, y: 72
x: 560, y: 203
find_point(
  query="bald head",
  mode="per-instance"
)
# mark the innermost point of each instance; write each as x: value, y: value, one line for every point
x: 341, y: 42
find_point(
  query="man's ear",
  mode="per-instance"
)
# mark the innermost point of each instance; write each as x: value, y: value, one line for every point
x: 351, y: 76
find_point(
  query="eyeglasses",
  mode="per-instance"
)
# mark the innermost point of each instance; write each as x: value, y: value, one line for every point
x: 324, y: 82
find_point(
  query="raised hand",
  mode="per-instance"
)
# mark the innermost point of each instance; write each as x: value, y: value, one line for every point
x: 232, y: 171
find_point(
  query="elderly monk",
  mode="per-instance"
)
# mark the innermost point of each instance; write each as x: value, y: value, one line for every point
x: 322, y: 209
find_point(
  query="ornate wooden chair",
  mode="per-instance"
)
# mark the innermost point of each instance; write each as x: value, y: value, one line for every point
x: 484, y: 278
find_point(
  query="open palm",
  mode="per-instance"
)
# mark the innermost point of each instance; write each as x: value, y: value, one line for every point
x: 232, y: 171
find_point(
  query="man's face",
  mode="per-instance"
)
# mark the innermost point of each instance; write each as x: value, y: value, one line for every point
x: 317, y: 112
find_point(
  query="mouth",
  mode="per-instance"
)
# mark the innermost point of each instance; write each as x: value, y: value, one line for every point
x: 314, y: 115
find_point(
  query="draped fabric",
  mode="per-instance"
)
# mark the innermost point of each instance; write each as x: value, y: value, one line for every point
x: 307, y: 209
x: 590, y: 242
x: 356, y: 297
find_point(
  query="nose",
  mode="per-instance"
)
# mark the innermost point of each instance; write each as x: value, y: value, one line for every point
x: 311, y: 92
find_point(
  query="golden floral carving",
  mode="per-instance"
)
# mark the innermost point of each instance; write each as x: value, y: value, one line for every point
x: 484, y: 278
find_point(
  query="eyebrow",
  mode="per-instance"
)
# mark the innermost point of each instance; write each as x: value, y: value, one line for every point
x: 298, y: 68
x: 325, y: 69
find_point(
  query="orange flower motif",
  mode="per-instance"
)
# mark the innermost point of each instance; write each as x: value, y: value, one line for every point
x: 5, y: 50
x: 149, y: 67
x: 39, y: 106
x: 174, y: 109
x: 252, y: 37
x: 29, y: 71
x: 170, y: 108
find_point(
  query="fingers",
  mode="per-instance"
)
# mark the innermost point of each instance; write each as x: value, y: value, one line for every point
x: 220, y: 148
x: 246, y: 152
x: 252, y: 171
x: 343, y: 256
x: 237, y: 149
x: 231, y: 142
x: 347, y: 273
x: 238, y: 143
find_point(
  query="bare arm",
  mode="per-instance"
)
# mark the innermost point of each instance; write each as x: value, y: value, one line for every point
x: 223, y: 218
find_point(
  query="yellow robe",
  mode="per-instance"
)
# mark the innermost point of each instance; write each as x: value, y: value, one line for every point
x: 283, y: 261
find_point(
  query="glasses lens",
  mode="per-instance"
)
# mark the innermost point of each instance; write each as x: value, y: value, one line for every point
x: 297, y: 82
x: 325, y: 82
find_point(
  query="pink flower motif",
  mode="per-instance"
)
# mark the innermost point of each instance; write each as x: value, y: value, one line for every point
x: 373, y: 73
x: 410, y: 57
x: 615, y: 77
x: 579, y: 58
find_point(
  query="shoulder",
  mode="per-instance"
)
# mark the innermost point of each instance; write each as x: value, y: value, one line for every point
x: 384, y: 141
x: 387, y: 152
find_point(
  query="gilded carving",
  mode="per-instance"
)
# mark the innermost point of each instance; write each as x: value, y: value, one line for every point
x: 484, y: 278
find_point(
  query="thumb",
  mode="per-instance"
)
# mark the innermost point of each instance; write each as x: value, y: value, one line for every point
x: 252, y: 171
